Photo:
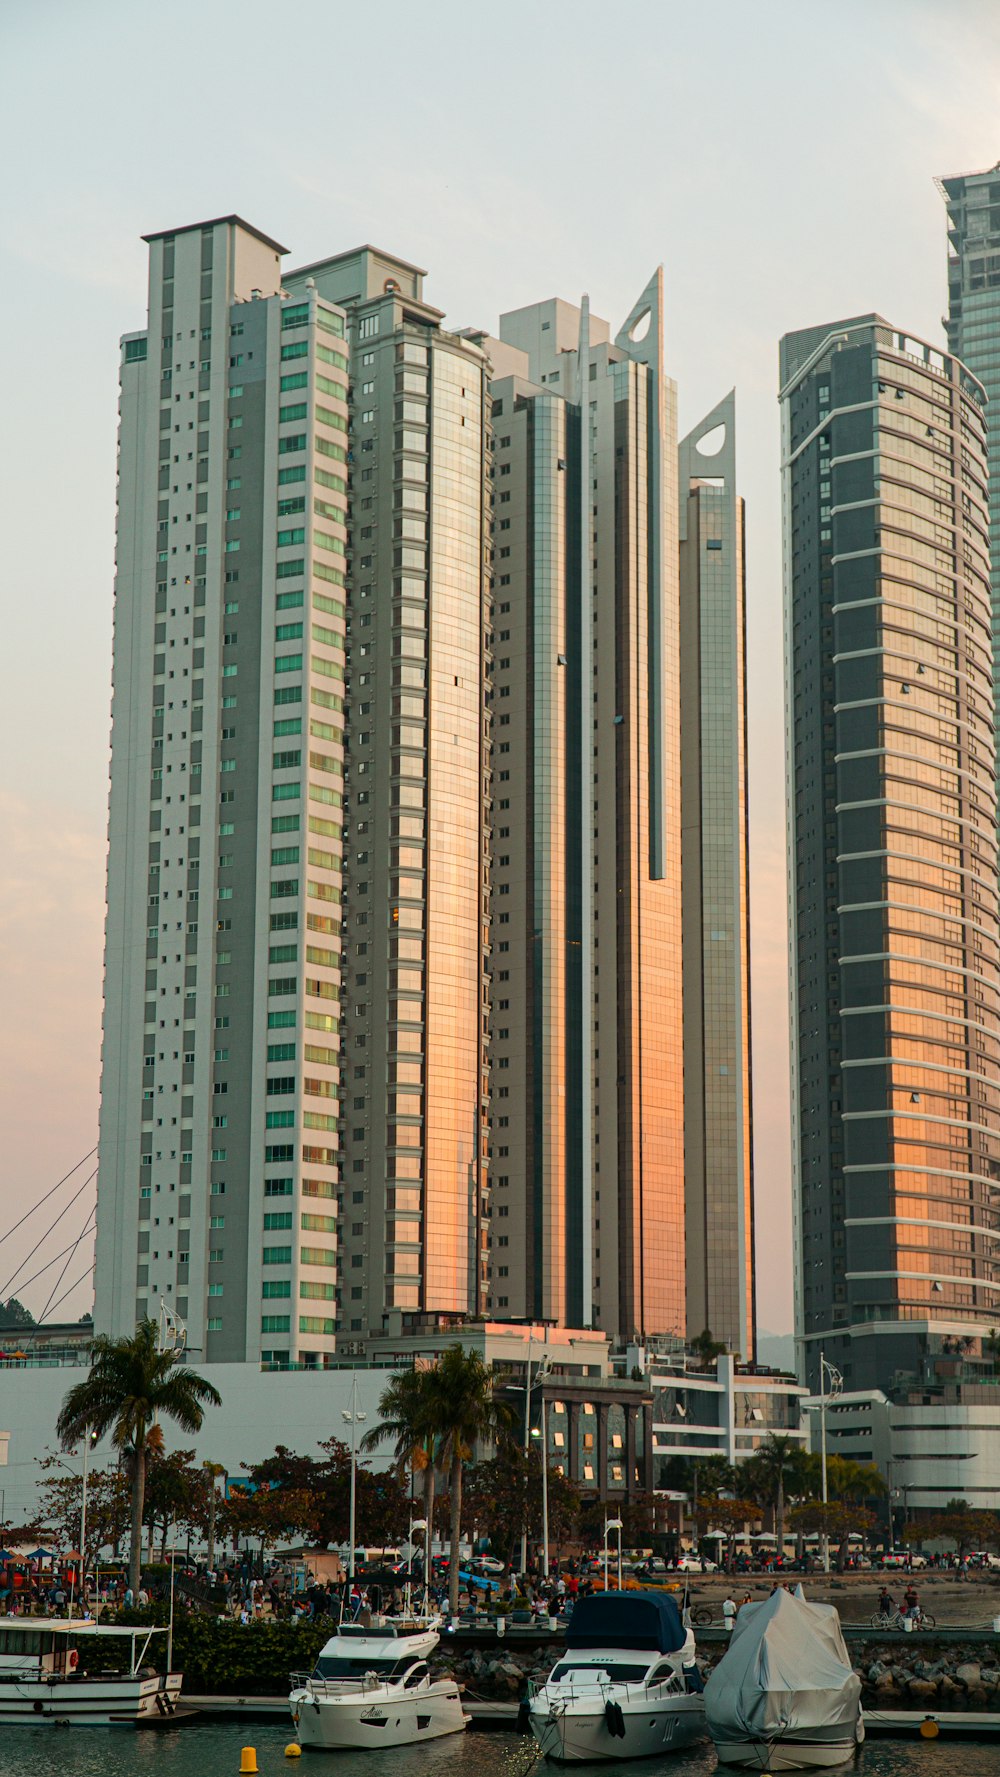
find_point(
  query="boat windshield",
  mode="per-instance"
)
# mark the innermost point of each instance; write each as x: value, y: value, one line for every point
x: 619, y: 1671
x: 339, y: 1666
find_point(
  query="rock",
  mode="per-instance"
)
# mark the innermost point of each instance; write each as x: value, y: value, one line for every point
x: 886, y: 1685
x: 923, y: 1689
x: 948, y: 1688
x: 876, y: 1671
x: 969, y: 1673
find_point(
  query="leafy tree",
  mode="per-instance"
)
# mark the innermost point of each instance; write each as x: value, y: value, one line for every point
x: 176, y: 1493
x: 464, y: 1413
x: 59, y: 1500
x: 838, y: 1520
x: 959, y: 1523
x: 130, y: 1386
x: 14, y: 1314
x: 729, y: 1515
x: 505, y: 1493
x: 295, y: 1495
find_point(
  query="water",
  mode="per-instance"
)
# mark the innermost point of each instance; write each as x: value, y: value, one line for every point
x: 214, y: 1751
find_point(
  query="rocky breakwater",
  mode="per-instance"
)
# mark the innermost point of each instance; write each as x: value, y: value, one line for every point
x: 954, y: 1678
x: 499, y: 1673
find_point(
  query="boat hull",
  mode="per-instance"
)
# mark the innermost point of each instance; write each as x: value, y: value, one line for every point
x: 787, y: 1755
x: 579, y: 1733
x: 86, y: 1702
x: 330, y: 1724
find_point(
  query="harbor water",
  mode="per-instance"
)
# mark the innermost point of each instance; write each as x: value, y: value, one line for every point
x: 213, y: 1750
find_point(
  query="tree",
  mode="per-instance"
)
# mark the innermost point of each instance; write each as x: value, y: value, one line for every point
x: 407, y: 1416
x: 838, y: 1520
x: 504, y: 1493
x: 59, y: 1500
x: 176, y: 1493
x: 290, y: 1495
x: 464, y: 1413
x: 707, y: 1348
x: 961, y: 1524
x: 13, y: 1314
x: 131, y: 1384
x: 765, y: 1475
x: 729, y: 1515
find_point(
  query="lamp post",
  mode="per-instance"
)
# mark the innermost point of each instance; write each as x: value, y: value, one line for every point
x: 89, y: 1439
x: 541, y: 1434
x: 415, y: 1524
x: 827, y: 1373
x: 527, y: 1436
x: 612, y: 1524
x: 353, y: 1419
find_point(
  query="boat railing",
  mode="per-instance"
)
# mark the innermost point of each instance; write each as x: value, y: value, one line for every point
x: 633, y: 1690
x: 341, y: 1687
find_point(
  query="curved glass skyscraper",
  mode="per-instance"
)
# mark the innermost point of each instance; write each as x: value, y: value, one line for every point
x: 892, y: 848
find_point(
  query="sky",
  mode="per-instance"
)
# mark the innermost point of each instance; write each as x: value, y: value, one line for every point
x: 777, y: 158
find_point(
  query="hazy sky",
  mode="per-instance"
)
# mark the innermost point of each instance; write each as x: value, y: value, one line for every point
x: 778, y: 158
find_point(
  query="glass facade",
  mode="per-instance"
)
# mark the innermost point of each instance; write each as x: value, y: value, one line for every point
x: 972, y: 323
x: 893, y: 857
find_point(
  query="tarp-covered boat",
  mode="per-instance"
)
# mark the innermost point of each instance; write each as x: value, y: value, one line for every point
x: 784, y: 1696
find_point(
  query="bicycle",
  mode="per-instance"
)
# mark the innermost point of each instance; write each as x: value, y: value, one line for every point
x: 701, y: 1615
x: 895, y: 1620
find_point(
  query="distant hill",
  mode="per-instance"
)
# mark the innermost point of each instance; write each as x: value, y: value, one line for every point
x: 776, y: 1349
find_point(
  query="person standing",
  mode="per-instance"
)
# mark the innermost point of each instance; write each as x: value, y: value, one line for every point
x: 728, y: 1613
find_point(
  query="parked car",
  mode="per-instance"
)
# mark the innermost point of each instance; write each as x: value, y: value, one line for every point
x: 695, y: 1564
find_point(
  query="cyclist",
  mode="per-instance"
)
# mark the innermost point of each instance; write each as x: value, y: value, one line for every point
x: 886, y: 1602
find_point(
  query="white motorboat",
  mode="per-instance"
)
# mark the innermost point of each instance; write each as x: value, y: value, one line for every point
x: 784, y: 1696
x: 373, y: 1687
x: 626, y: 1686
x: 51, y: 1673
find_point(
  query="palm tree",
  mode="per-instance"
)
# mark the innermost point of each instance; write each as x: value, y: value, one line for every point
x: 132, y: 1382
x: 464, y: 1413
x: 407, y: 1415
x: 775, y: 1462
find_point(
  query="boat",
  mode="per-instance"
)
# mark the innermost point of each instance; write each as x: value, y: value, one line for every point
x: 51, y: 1673
x: 372, y: 1687
x: 784, y: 1696
x: 626, y: 1687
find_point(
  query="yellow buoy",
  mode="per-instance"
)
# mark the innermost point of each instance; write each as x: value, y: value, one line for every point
x: 929, y: 1729
x: 293, y: 1750
x: 248, y: 1761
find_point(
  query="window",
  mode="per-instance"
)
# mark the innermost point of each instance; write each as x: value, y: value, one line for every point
x: 275, y: 1323
x: 215, y: 1289
x: 277, y: 1255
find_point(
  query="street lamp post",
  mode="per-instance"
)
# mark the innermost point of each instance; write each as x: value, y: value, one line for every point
x: 89, y: 1438
x: 827, y: 1372
x: 353, y: 1419
x: 612, y: 1524
x: 527, y: 1438
x: 544, y: 1448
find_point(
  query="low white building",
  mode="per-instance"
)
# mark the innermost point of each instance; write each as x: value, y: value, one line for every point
x: 260, y: 1408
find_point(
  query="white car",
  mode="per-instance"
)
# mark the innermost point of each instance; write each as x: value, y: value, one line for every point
x: 694, y: 1564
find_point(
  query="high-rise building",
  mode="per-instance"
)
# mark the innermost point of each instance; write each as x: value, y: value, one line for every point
x: 972, y: 324
x: 895, y: 967
x: 589, y: 670
x: 298, y: 882
x: 718, y: 1148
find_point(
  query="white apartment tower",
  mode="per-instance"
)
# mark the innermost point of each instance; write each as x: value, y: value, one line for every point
x: 297, y: 881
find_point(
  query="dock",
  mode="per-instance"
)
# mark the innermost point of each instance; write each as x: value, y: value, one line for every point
x: 897, y: 1724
